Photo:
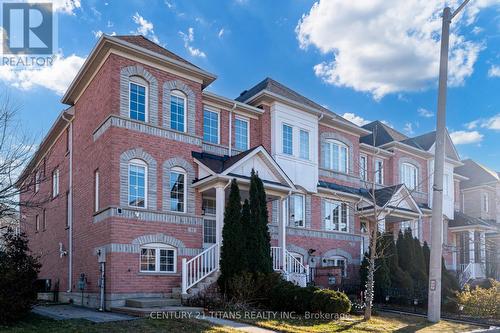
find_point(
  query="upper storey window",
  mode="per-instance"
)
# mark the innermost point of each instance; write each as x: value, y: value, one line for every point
x: 304, y: 144
x: 210, y: 126
x: 178, y: 111
x: 287, y: 139
x: 379, y: 172
x: 241, y: 136
x: 486, y: 203
x: 138, y: 92
x: 409, y: 175
x: 178, y: 190
x: 336, y: 155
x: 137, y: 180
x: 363, y: 167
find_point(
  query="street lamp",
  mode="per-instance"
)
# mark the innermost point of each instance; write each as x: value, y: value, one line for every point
x: 434, y: 306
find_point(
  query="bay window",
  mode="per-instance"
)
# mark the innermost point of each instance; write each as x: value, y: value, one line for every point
x: 336, y: 216
x: 409, y: 175
x: 336, y: 156
x: 158, y: 258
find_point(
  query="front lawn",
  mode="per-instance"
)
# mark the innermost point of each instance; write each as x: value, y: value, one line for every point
x: 39, y: 324
x: 355, y: 324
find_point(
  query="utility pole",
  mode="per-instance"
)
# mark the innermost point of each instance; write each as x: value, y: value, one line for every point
x: 434, y: 303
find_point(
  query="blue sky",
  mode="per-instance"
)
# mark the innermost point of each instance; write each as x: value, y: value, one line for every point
x: 366, y: 59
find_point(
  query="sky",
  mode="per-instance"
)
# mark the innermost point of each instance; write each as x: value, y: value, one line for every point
x: 363, y: 59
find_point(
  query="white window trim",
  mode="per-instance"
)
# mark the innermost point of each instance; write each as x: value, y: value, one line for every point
x: 303, y: 210
x: 96, y: 190
x: 308, y: 158
x: 363, y: 170
x: 340, y: 144
x: 180, y: 171
x: 55, y: 183
x: 377, y: 171
x: 141, y: 163
x: 486, y: 203
x: 340, y: 216
x: 335, y: 259
x: 179, y: 94
x: 37, y: 181
x: 403, y: 176
x: 157, y: 247
x: 246, y: 120
x: 218, y: 124
x: 146, y: 97
x: 283, y: 139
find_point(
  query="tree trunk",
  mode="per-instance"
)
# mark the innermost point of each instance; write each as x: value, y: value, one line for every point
x: 371, y: 272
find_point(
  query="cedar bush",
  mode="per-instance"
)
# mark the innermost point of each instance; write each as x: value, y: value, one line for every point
x: 18, y: 274
x: 481, y: 302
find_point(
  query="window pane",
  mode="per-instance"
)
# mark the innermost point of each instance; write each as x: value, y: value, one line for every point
x: 177, y: 188
x: 166, y: 260
x: 137, y: 102
x: 137, y: 185
x: 241, y: 134
x: 327, y: 158
x: 210, y: 126
x: 298, y: 201
x: 304, y: 144
x: 362, y: 167
x: 177, y: 113
x: 343, y: 159
x: 148, y: 260
x: 287, y: 140
x: 209, y: 231
x: 335, y: 157
x: 343, y: 221
x: 208, y: 206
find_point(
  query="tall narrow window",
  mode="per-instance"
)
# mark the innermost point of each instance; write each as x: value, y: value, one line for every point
x: 137, y: 176
x: 297, y: 208
x: 363, y: 170
x: 177, y: 190
x: 304, y: 144
x: 210, y: 126
x: 336, y: 216
x: 209, y: 230
x: 44, y: 219
x: 55, y: 183
x: 37, y: 223
x: 138, y: 108
x: 37, y: 181
x: 177, y: 111
x: 336, y: 156
x: 409, y: 175
x: 379, y: 172
x: 486, y: 204
x: 96, y: 191
x: 287, y: 139
x: 241, y: 136
x: 446, y: 184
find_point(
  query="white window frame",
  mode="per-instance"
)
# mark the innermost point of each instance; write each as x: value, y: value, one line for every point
x: 303, y: 208
x: 335, y: 260
x: 96, y: 190
x: 379, y: 172
x: 179, y: 170
x: 301, y: 144
x: 146, y: 97
x: 37, y: 181
x: 330, y: 145
x: 298, y: 256
x: 179, y: 94
x: 55, y: 183
x: 245, y: 120
x: 157, y: 247
x: 409, y: 175
x: 283, y: 125
x: 363, y: 167
x: 341, y: 205
x: 218, y: 124
x: 139, y: 163
x: 486, y: 202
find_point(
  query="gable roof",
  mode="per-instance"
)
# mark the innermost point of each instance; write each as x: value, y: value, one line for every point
x: 477, y: 174
x: 219, y: 164
x: 463, y: 220
x: 381, y: 134
x: 426, y: 142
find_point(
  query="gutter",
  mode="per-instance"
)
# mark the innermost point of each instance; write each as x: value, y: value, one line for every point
x: 70, y: 204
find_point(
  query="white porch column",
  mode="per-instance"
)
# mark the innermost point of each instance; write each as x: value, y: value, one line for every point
x: 471, y: 247
x: 220, y: 199
x: 282, y: 223
x: 482, y: 244
x: 381, y: 223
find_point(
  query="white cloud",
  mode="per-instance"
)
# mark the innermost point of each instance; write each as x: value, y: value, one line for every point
x: 56, y: 77
x: 221, y: 33
x: 63, y: 6
x: 97, y: 34
x: 466, y: 137
x: 386, y: 46
x: 494, y: 71
x: 354, y: 118
x: 408, y: 129
x: 145, y: 27
x: 492, y: 123
x: 423, y: 112
x: 188, y: 39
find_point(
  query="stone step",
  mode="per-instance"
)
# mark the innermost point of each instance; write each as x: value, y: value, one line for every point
x: 151, y: 302
x: 155, y: 312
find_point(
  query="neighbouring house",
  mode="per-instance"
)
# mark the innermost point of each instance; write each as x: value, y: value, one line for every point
x: 134, y: 175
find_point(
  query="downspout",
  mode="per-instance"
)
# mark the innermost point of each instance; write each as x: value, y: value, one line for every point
x: 231, y: 130
x: 70, y: 204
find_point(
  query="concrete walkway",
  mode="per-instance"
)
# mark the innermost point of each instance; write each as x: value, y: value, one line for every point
x: 236, y: 325
x: 66, y: 311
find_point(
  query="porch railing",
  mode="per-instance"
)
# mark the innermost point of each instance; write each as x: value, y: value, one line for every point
x: 199, y: 267
x: 466, y: 274
x: 292, y: 269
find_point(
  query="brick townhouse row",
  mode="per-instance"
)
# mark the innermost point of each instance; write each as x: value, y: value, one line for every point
x: 137, y: 167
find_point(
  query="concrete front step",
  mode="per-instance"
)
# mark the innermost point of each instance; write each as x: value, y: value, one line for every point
x: 151, y: 302
x: 157, y: 312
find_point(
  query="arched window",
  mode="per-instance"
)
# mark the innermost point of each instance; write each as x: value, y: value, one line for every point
x: 177, y: 183
x: 409, y: 175
x: 138, y: 97
x: 336, y: 156
x: 336, y: 261
x: 158, y: 258
x: 178, y: 119
x: 137, y: 183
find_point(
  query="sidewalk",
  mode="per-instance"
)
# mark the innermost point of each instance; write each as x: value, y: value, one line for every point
x: 66, y: 311
x: 236, y: 325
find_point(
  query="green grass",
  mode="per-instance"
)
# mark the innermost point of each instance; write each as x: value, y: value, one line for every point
x: 355, y: 324
x: 39, y: 324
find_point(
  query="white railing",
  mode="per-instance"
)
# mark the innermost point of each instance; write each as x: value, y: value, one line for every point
x: 293, y: 270
x: 466, y: 274
x: 199, y: 267
x: 277, y: 258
